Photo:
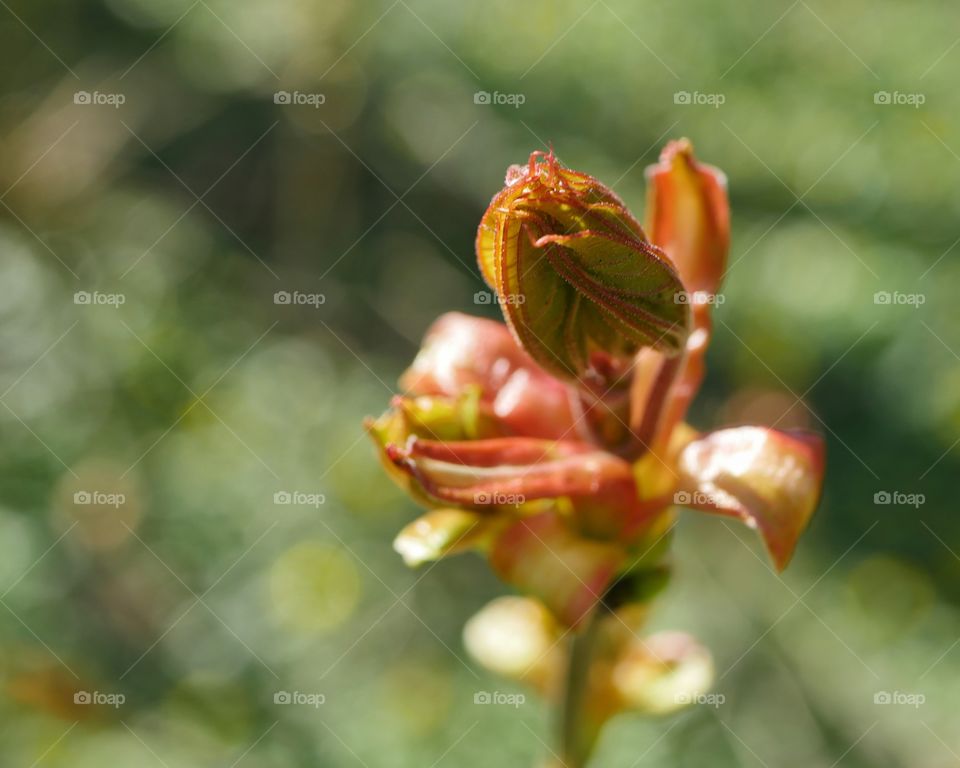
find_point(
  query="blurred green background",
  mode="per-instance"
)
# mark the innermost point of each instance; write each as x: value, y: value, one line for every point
x: 181, y: 397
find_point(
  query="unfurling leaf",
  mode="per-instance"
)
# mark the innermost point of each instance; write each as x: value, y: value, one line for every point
x: 579, y: 284
x: 439, y: 418
x: 509, y: 471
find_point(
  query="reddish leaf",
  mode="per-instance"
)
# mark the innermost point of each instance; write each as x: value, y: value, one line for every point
x: 769, y: 479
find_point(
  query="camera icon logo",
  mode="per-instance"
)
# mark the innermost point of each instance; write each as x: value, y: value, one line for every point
x: 482, y: 97
x: 882, y: 697
x: 82, y: 697
x: 82, y: 297
x: 482, y: 297
x: 282, y: 97
x: 882, y: 97
x: 882, y: 497
x: 882, y: 297
x: 682, y: 497
x: 282, y: 297
x: 82, y: 497
x: 82, y: 97
x: 482, y: 498
x: 682, y: 97
x: 282, y: 697
x: 482, y: 697
x: 282, y: 497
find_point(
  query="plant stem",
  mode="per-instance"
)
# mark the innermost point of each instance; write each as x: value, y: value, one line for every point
x: 577, y: 734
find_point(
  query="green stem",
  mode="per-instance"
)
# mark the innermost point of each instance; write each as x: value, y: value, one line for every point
x: 577, y: 734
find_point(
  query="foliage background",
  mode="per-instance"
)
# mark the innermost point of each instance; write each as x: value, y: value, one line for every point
x: 199, y: 398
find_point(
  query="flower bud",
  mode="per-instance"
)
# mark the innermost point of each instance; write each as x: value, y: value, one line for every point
x: 662, y: 673
x: 594, y: 290
x: 518, y: 638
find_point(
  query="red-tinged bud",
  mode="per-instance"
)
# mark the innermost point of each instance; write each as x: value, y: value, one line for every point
x: 579, y: 284
x: 518, y: 638
x: 491, y: 438
x: 660, y: 674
